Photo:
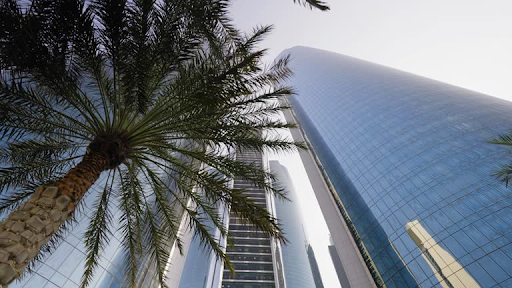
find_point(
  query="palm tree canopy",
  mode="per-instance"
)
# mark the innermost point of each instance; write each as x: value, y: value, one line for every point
x: 158, y: 94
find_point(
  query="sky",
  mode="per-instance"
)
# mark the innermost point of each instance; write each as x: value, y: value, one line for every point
x: 467, y: 43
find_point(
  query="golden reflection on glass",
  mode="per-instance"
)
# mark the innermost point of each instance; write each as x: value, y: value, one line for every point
x: 446, y: 269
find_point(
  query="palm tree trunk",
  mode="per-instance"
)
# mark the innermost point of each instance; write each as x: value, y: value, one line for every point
x: 25, y: 231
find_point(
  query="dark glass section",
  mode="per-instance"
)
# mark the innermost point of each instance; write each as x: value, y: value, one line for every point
x: 250, y: 249
x: 254, y: 266
x: 400, y: 150
x: 247, y: 285
x: 251, y: 276
x: 250, y: 257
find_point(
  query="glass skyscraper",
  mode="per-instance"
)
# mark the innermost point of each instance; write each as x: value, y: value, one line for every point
x: 411, y: 169
x: 297, y: 271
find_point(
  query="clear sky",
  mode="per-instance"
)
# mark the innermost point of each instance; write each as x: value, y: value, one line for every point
x: 467, y: 43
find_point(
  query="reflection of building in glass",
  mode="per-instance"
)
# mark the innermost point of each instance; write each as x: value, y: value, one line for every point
x: 295, y: 259
x: 314, y: 266
x: 447, y: 270
x: 396, y: 147
x: 336, y: 261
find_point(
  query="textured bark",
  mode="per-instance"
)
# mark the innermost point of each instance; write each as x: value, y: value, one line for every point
x: 25, y: 231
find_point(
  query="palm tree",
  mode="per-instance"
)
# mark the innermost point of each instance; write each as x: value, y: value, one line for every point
x: 505, y: 172
x: 121, y: 95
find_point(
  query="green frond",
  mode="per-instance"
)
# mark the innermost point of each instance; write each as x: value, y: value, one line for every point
x: 36, y: 150
x: 197, y: 223
x: 34, y: 172
x: 98, y: 232
x: 9, y: 201
x: 163, y: 205
x: 504, y: 174
x: 320, y: 5
x: 157, y: 243
x: 504, y: 139
x: 245, y: 208
x: 131, y: 205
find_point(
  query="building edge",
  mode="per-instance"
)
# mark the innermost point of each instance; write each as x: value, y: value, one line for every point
x: 361, y: 272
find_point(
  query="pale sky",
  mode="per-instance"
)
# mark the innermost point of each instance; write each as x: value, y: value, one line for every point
x: 467, y: 43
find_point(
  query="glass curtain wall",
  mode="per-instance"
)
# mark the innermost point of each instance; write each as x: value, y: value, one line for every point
x: 409, y: 155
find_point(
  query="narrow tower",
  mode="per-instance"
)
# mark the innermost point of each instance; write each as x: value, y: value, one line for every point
x: 256, y: 257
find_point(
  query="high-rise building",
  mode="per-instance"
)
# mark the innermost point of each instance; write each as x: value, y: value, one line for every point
x: 297, y: 269
x: 408, y: 172
x: 256, y: 257
x: 336, y: 261
x: 314, y: 267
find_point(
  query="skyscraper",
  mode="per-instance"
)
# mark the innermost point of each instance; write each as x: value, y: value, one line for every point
x: 314, y: 267
x: 297, y: 269
x: 409, y: 170
x: 256, y: 257
x: 336, y: 261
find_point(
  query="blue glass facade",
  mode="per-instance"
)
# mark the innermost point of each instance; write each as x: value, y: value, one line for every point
x: 400, y: 148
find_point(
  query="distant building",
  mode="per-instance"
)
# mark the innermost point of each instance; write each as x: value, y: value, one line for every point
x: 336, y: 261
x: 255, y: 256
x: 295, y: 259
x: 314, y: 267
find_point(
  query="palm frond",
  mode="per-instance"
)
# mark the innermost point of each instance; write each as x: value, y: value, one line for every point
x: 131, y: 205
x: 504, y: 174
x: 34, y: 172
x: 156, y: 242
x: 320, y: 5
x: 504, y: 139
x: 98, y: 232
